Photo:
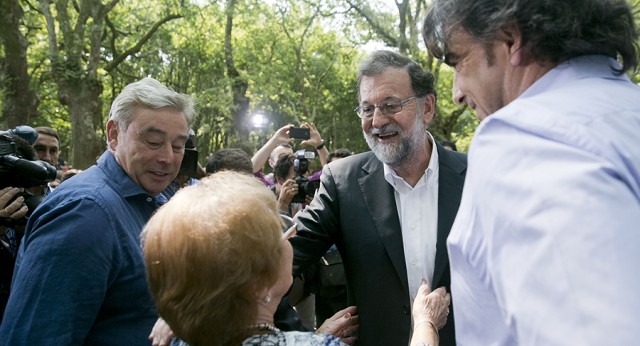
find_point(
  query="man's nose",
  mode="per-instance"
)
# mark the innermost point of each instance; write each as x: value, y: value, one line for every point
x: 46, y: 157
x: 378, y: 119
x: 457, y: 95
x: 166, y: 153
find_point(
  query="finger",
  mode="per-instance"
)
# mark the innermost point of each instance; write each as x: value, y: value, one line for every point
x: 355, y: 327
x: 7, y: 194
x: 349, y: 340
x: 20, y: 213
x: 425, y: 284
x: 441, y: 291
x: 16, y: 204
x: 3, y: 194
x: 349, y: 309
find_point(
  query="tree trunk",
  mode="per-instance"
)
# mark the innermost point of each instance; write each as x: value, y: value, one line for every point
x: 239, y: 85
x: 75, y: 68
x: 85, y: 110
x: 19, y: 103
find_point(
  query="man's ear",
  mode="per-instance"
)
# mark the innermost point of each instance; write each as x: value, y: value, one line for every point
x: 518, y: 53
x: 112, y: 135
x: 429, y: 109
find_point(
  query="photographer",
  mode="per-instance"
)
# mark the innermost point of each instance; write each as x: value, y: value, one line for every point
x: 12, y: 209
x: 285, y: 186
x: 293, y: 189
x: 18, y: 170
x: 279, y: 145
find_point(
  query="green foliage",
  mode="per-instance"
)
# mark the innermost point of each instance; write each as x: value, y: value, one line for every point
x: 298, y: 58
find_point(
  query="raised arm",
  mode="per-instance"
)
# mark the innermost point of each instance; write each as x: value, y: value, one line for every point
x: 262, y: 155
x: 315, y: 140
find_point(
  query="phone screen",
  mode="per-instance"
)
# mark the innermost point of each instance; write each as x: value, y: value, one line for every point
x: 299, y: 133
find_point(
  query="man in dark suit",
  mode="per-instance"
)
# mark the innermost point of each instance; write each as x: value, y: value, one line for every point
x: 388, y: 211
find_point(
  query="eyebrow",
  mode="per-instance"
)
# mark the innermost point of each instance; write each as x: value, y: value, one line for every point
x: 384, y: 99
x: 154, y: 130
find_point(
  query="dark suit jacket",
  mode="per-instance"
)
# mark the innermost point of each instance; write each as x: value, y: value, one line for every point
x: 355, y: 208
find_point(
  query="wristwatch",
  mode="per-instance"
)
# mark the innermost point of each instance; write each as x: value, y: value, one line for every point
x: 321, y: 145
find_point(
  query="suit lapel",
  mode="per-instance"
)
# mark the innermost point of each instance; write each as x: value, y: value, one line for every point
x: 451, y: 181
x: 381, y: 204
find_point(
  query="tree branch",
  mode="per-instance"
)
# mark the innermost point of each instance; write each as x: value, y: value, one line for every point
x: 386, y: 37
x: 135, y: 49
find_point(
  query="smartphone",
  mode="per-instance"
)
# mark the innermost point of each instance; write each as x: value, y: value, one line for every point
x: 299, y: 133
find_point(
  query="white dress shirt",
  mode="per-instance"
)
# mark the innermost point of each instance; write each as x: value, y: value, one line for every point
x: 545, y: 249
x: 418, y: 214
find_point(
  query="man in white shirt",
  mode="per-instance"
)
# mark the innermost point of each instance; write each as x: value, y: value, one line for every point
x: 390, y: 210
x: 544, y: 250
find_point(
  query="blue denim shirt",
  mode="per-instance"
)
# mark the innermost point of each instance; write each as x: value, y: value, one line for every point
x: 79, y: 276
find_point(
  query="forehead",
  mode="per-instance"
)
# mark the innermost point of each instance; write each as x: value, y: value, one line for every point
x: 163, y: 121
x: 46, y: 140
x: 281, y: 151
x: 392, y: 82
x: 459, y: 43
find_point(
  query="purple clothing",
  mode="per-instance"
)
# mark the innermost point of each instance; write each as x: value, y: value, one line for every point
x: 263, y: 178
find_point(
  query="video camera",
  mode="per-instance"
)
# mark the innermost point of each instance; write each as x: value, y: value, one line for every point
x: 14, y: 169
x: 306, y: 187
x: 17, y: 171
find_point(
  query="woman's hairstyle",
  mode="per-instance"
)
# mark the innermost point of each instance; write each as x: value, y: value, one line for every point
x: 421, y: 80
x: 148, y: 93
x: 556, y: 30
x: 209, y: 253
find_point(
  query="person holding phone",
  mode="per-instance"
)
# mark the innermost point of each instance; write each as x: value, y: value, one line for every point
x: 280, y: 145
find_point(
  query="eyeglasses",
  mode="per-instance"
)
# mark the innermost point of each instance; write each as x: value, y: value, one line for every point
x: 288, y: 227
x: 387, y: 107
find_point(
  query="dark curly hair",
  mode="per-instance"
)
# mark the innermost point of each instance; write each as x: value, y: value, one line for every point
x: 556, y: 30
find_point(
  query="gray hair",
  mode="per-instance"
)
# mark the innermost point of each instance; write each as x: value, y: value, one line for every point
x: 421, y: 80
x: 556, y: 30
x: 149, y: 93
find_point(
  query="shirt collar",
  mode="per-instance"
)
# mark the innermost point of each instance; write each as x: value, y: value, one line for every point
x: 118, y: 177
x: 586, y: 66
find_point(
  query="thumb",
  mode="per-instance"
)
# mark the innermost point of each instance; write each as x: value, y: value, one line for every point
x: 425, y: 282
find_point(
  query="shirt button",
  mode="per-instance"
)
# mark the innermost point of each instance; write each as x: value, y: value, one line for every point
x: 149, y: 199
x: 405, y: 309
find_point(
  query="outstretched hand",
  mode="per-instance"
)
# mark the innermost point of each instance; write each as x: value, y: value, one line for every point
x: 282, y: 136
x: 432, y: 307
x: 161, y: 334
x: 343, y: 324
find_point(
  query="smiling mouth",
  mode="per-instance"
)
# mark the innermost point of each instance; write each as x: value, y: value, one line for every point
x: 384, y: 136
x: 159, y: 174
